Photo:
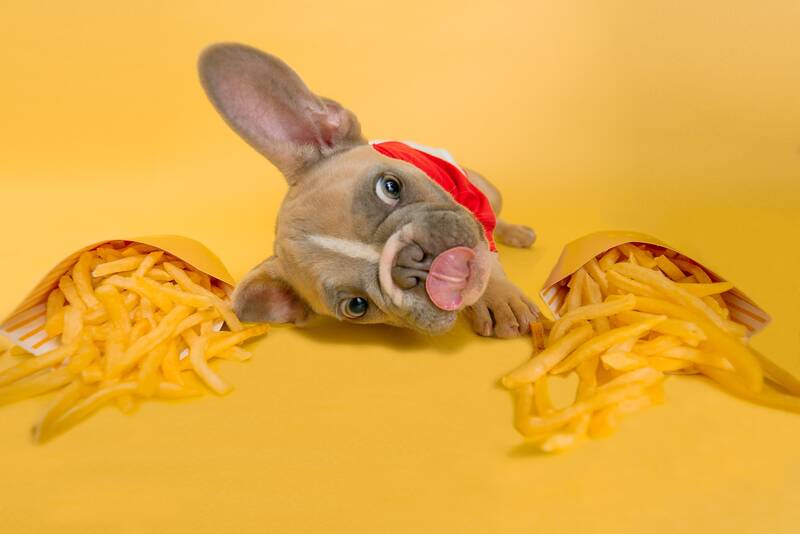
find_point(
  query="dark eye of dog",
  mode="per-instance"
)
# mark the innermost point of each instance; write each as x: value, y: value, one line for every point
x: 355, y: 307
x: 388, y: 189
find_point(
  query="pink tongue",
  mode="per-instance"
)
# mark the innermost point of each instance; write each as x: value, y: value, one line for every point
x: 447, y: 277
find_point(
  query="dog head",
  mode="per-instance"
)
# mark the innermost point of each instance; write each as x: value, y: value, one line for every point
x: 359, y: 236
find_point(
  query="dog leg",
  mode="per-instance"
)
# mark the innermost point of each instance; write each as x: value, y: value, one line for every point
x: 513, y: 235
x: 503, y: 310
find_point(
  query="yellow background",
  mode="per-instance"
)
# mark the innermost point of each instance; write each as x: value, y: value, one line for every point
x: 677, y: 119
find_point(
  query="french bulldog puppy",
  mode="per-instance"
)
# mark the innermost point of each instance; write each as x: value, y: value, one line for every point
x: 368, y: 233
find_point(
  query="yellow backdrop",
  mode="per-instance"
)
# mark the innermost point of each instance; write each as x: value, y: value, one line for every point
x: 677, y: 119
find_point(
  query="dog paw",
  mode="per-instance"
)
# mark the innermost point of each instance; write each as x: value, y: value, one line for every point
x: 515, y: 235
x: 503, y: 311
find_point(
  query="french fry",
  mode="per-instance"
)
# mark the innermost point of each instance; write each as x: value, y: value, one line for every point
x: 714, y: 305
x: 32, y: 386
x: 722, y: 342
x: 778, y: 375
x: 576, y: 430
x: 597, y: 274
x: 700, y: 275
x: 666, y: 315
x: 83, y: 280
x: 625, y: 285
x: 592, y: 294
x: 592, y: 311
x: 200, y: 279
x: 668, y: 268
x: 198, y: 345
x: 188, y: 285
x: 609, y: 258
x: 697, y: 357
x: 149, y: 378
x: 146, y: 312
x: 541, y: 396
x: 657, y: 345
x: 179, y: 297
x: 623, y: 361
x: 139, y: 329
x: 705, y: 290
x: 543, y: 362
x: 645, y: 375
x: 96, y: 316
x: 642, y: 257
x: 115, y: 307
x: 93, y: 373
x: 158, y: 274
x: 573, y: 301
x: 121, y: 311
x: 139, y: 286
x: 54, y: 324
x: 170, y: 365
x: 605, y: 421
x: 32, y: 365
x: 73, y: 324
x: 108, y: 253
x: 126, y: 263
x: 534, y: 426
x: 671, y: 291
x: 235, y: 354
x: 523, y: 407
x: 65, y: 399
x: 538, y: 337
x: 689, y: 332
x: 70, y: 292
x: 587, y: 375
x: 148, y: 262
x: 220, y: 292
x: 217, y: 346
x: 90, y: 404
x: 149, y: 341
x: 83, y: 357
x: 131, y: 300
x: 766, y: 396
x: 593, y: 347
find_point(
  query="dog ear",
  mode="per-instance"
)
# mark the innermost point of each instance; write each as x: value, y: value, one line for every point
x: 268, y: 104
x: 263, y: 297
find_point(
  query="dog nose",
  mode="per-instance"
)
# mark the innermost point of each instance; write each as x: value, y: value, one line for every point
x: 411, y: 266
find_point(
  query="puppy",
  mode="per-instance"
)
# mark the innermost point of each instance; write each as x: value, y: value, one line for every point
x: 388, y: 232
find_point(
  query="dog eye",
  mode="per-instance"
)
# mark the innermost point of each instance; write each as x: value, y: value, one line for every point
x: 388, y: 189
x: 355, y: 307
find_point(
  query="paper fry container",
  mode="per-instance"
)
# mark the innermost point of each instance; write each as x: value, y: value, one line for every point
x: 25, y: 325
x: 575, y: 254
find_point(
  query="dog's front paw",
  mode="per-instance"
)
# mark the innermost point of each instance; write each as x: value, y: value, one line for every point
x: 515, y: 235
x: 502, y: 311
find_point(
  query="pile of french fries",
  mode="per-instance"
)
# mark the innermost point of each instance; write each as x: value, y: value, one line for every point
x: 631, y: 316
x: 133, y: 323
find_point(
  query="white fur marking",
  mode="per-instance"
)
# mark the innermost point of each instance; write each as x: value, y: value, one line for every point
x: 347, y: 247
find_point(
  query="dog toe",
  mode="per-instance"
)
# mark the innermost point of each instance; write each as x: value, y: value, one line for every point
x: 505, y: 322
x: 480, y: 319
x: 516, y: 235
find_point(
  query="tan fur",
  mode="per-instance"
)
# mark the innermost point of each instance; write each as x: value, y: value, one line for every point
x: 332, y: 227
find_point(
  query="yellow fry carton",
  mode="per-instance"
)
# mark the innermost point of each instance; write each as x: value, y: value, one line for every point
x: 577, y: 253
x: 25, y: 325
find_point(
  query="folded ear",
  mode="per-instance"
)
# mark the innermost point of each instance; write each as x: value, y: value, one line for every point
x: 268, y: 104
x: 263, y: 297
